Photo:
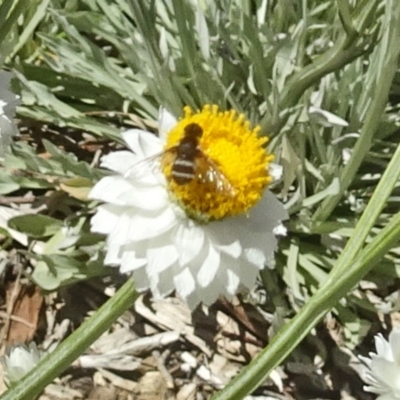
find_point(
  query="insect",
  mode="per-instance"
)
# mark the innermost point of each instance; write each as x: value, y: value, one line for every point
x: 185, y: 155
x: 189, y: 163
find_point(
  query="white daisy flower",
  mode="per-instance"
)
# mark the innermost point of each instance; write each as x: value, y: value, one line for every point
x: 189, y: 211
x: 8, y: 103
x: 19, y: 360
x: 383, y: 373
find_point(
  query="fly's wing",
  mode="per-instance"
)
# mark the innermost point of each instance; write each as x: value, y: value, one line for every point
x: 152, y: 164
x: 168, y: 157
x: 143, y: 167
x: 208, y: 172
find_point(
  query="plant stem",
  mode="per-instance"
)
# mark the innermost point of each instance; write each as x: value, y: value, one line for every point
x: 295, y: 330
x: 71, y: 348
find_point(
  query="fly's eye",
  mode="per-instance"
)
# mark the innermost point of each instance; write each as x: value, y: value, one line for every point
x: 193, y: 130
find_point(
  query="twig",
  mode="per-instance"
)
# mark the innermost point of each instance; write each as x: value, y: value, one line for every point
x: 10, y: 308
x: 23, y: 321
x: 17, y: 199
x: 160, y: 358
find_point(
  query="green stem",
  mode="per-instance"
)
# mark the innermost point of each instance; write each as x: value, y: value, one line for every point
x: 345, y: 17
x: 295, y: 330
x: 370, y: 214
x: 71, y: 348
x: 348, y: 271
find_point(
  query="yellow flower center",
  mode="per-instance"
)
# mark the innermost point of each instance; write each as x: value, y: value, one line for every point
x: 215, y: 165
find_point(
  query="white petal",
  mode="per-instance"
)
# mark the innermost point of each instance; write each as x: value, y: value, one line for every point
x: 224, y: 236
x: 248, y: 274
x: 265, y: 215
x: 255, y: 256
x: 280, y: 230
x: 117, y: 190
x: 120, y: 234
x: 184, y: 283
x: 188, y: 239
x: 131, y: 262
x: 383, y: 347
x: 113, y: 256
x: 119, y: 161
x: 365, y: 360
x: 166, y: 121
x: 131, y: 227
x: 146, y: 173
x: 232, y: 282
x: 209, y: 294
x: 394, y: 340
x: 106, y: 218
x: 387, y: 396
x: 160, y: 258
x: 142, y: 143
x: 145, y: 227
x: 266, y: 243
x: 387, y: 372
x: 209, y: 268
x: 141, y: 279
x: 233, y: 249
x: 166, y: 283
x: 193, y: 299
x: 231, y: 274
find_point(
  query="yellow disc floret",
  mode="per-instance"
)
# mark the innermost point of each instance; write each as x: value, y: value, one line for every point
x: 230, y: 168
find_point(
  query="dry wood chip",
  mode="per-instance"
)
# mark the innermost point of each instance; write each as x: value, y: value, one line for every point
x: 56, y: 335
x: 111, y: 341
x: 172, y: 314
x: 61, y: 392
x: 275, y: 377
x: 117, y: 350
x: 112, y: 361
x: 117, y: 381
x: 187, y: 392
x: 146, y: 344
x: 103, y: 393
x: 223, y: 368
x: 25, y: 313
x: 152, y: 387
x: 248, y: 316
x: 189, y: 361
x: 205, y: 374
x: 233, y: 342
x: 161, y: 360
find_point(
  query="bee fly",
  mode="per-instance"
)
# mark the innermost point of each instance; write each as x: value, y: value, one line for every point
x: 190, y: 164
x: 184, y: 167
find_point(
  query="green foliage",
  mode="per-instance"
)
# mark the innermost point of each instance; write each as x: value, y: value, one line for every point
x: 260, y: 58
x: 35, y: 225
x: 77, y: 62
